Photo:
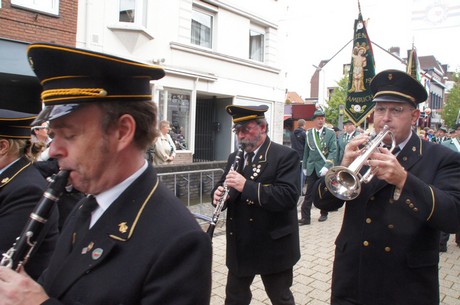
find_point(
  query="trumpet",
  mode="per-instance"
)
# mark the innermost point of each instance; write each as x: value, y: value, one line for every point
x: 345, y: 182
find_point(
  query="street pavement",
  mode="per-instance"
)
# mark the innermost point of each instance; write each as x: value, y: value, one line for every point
x: 312, y: 274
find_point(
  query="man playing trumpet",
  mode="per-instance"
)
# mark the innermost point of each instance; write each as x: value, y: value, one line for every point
x: 387, y: 251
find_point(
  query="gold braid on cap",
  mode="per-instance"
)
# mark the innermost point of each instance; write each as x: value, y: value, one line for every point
x: 410, y: 98
x: 73, y: 91
x: 248, y: 117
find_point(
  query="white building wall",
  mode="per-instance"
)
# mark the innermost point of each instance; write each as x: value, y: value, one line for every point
x: 223, y: 71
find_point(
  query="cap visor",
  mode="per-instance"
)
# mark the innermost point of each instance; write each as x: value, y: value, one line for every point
x: 50, y: 113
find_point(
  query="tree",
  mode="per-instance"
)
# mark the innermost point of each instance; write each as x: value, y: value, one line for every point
x: 452, y: 106
x: 337, y: 98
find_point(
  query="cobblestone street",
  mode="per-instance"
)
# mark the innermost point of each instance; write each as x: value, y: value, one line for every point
x: 312, y: 274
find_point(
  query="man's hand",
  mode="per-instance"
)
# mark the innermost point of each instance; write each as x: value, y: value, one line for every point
x: 235, y: 180
x: 19, y: 289
x: 354, y: 148
x: 218, y: 193
x: 386, y: 167
x: 323, y: 171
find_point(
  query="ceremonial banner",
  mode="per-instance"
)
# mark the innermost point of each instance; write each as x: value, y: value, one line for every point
x: 359, y: 98
x: 413, y: 64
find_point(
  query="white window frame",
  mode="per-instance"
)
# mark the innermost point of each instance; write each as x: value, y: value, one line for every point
x: 257, y: 55
x: 212, y: 16
x: 140, y: 9
x: 50, y: 7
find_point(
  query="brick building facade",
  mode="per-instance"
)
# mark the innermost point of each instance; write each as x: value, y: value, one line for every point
x: 29, y: 24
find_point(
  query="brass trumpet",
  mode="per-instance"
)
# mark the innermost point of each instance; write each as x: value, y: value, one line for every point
x: 345, y: 182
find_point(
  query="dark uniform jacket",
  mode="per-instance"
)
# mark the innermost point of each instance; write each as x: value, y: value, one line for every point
x: 145, y: 249
x: 262, y: 230
x: 21, y: 188
x: 387, y: 251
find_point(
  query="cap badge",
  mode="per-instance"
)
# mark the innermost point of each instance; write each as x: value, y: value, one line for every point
x: 390, y: 76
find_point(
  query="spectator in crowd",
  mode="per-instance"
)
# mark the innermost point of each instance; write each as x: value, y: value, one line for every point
x: 298, y: 144
x: 262, y: 231
x: 165, y: 148
x: 441, y: 135
x: 320, y: 155
x: 131, y: 241
x: 298, y: 138
x: 40, y: 140
x: 387, y: 251
x: 454, y: 144
x: 430, y: 135
x: 422, y: 135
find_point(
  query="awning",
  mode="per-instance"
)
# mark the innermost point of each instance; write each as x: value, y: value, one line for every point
x: 19, y: 87
x: 13, y: 58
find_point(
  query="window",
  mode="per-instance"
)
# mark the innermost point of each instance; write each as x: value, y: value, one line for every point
x: 202, y: 28
x: 256, y: 45
x: 132, y: 11
x: 43, y: 6
x: 174, y: 107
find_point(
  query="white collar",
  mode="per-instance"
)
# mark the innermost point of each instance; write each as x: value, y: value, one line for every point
x: 106, y: 198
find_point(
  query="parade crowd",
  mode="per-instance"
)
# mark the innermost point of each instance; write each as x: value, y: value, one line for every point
x: 119, y: 236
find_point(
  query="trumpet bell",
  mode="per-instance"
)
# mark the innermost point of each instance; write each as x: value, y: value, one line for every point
x: 343, y: 183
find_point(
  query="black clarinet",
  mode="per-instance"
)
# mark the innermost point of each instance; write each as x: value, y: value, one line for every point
x: 220, y: 204
x: 19, y: 253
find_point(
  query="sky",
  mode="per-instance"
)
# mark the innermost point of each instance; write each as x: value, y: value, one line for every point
x: 318, y: 30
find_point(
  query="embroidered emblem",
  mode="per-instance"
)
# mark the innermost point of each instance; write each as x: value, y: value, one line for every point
x: 123, y: 227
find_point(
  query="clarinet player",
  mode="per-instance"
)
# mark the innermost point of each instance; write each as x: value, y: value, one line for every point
x: 262, y: 231
x: 126, y: 250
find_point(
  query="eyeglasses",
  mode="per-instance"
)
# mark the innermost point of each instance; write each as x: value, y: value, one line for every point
x: 395, y: 111
x: 40, y: 127
x: 243, y: 129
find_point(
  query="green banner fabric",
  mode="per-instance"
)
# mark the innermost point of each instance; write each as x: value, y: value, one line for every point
x: 413, y: 64
x: 358, y: 104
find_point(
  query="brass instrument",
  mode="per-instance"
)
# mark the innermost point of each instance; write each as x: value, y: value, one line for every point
x: 19, y: 253
x: 345, y: 182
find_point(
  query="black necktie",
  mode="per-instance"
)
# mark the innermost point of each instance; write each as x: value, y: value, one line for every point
x: 248, y: 165
x: 83, y: 220
x: 395, y: 150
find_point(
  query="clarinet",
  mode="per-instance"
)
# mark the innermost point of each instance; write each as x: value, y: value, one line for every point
x: 18, y: 255
x: 220, y: 204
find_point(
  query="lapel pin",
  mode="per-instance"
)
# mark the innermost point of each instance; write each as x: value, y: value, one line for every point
x: 97, y: 253
x: 123, y: 227
x: 87, y: 248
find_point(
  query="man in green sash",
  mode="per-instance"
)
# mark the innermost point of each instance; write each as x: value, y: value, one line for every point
x: 319, y: 155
